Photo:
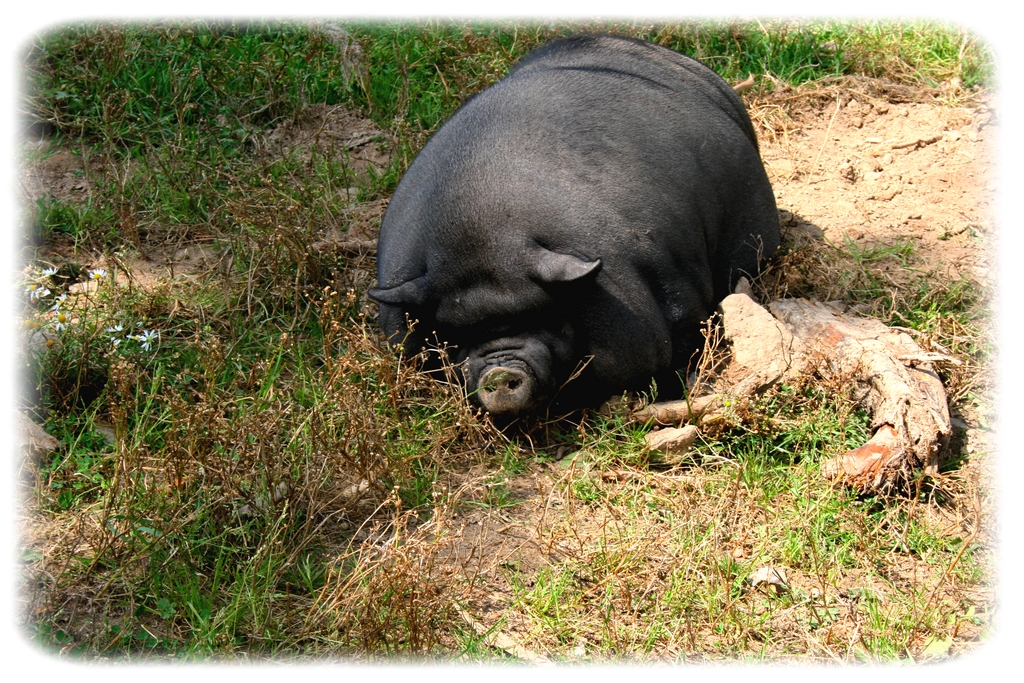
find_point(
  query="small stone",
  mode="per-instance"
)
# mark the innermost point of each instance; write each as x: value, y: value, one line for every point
x: 84, y: 287
x: 34, y: 441
x: 355, y: 489
x: 773, y: 576
x: 108, y: 434
x: 743, y: 287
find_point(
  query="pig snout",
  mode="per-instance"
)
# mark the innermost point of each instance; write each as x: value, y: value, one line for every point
x: 508, y: 376
x: 508, y: 388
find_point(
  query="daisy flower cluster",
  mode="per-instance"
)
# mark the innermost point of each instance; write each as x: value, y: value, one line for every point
x: 144, y: 338
x: 55, y: 314
x: 38, y: 286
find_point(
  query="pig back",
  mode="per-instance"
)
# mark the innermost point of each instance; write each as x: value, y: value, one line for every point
x: 606, y: 149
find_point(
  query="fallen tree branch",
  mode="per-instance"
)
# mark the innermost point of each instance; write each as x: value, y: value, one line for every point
x: 356, y: 247
x: 743, y: 85
x: 920, y: 142
x: 675, y: 412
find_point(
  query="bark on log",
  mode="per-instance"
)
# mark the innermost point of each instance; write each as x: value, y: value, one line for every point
x: 762, y: 349
x: 672, y: 413
x: 865, y: 354
x: 881, y: 368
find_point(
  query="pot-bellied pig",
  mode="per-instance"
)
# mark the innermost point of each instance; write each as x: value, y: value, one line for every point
x: 589, y: 210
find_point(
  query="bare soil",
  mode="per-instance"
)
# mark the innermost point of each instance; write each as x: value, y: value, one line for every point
x: 859, y: 167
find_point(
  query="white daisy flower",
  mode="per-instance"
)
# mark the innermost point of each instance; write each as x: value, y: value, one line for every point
x: 115, y: 333
x: 147, y: 338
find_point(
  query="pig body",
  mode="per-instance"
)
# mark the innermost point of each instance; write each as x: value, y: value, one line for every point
x: 589, y: 210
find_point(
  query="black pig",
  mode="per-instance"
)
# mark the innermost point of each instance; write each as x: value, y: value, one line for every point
x: 590, y: 209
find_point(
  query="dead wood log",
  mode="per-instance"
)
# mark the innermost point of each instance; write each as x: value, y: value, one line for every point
x: 865, y: 355
x: 871, y: 465
x: 880, y: 367
x: 762, y: 349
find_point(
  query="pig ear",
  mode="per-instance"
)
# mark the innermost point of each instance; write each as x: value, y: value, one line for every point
x: 411, y: 293
x: 551, y: 266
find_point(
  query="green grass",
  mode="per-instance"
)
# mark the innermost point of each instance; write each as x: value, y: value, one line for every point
x: 278, y: 483
x: 770, y: 503
x: 76, y: 220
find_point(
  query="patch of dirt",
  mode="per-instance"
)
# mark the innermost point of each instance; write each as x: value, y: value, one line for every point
x: 880, y: 173
x: 332, y: 132
x: 61, y: 175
